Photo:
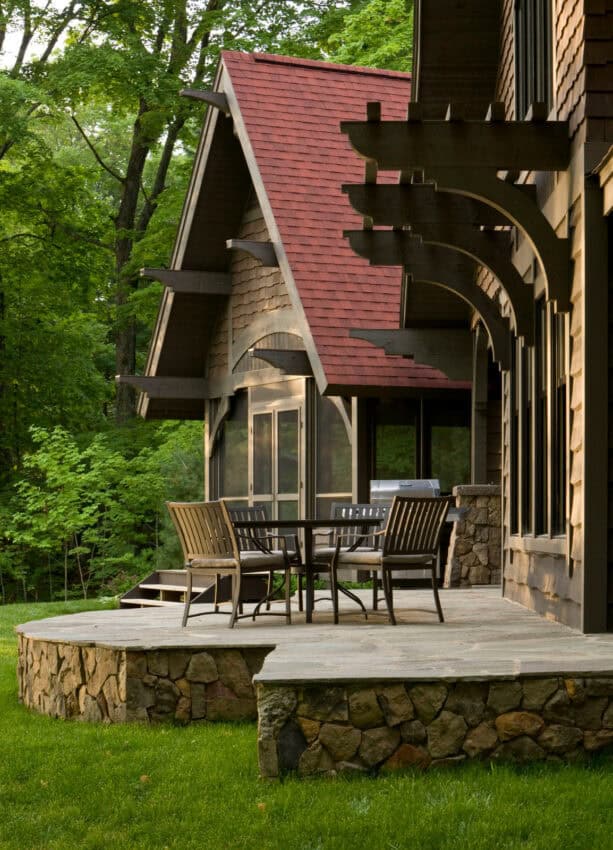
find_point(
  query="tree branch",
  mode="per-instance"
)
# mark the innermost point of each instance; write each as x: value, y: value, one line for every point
x: 99, y: 159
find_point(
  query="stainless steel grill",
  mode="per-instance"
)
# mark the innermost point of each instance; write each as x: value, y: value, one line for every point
x: 384, y: 489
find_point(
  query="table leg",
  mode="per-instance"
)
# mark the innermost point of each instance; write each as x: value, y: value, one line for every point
x: 308, y: 566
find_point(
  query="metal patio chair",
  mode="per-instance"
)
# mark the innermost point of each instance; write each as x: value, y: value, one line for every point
x: 352, y: 540
x: 211, y: 547
x: 259, y: 539
x: 410, y: 540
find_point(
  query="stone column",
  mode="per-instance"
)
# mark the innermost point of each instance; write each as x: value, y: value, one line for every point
x: 474, y: 547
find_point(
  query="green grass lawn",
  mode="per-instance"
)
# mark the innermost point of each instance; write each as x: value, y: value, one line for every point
x: 67, y: 785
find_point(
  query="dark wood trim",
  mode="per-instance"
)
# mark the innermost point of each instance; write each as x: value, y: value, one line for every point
x: 595, y: 412
x: 262, y: 251
x: 289, y: 361
x: 493, y: 145
x: 166, y: 387
x: 282, y: 320
x: 479, y: 404
x: 213, y: 427
x: 191, y: 282
x: 213, y: 98
x: 449, y: 351
x: 397, y: 205
x: 521, y: 210
x: 361, y: 449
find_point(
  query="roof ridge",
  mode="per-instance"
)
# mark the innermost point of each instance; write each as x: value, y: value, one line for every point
x: 319, y: 64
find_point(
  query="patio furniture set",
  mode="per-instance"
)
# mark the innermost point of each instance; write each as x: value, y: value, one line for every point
x: 221, y: 541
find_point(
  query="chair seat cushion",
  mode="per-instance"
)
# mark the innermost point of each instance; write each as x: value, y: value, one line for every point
x: 213, y: 564
x: 273, y: 560
x: 325, y: 553
x: 374, y: 558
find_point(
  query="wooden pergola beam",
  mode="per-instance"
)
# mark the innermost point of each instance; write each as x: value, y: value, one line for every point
x: 398, y: 205
x: 445, y: 349
x: 496, y: 145
x: 190, y: 282
x: 262, y: 251
x: 212, y: 98
x: 166, y: 387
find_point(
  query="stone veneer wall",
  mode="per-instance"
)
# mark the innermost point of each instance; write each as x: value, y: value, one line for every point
x: 389, y: 726
x: 100, y: 684
x: 474, y: 548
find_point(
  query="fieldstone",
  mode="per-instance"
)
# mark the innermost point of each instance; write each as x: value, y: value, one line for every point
x: 517, y: 723
x: 224, y: 704
x: 90, y: 710
x: 413, y: 732
x: 468, y: 699
x: 290, y: 746
x: 198, y: 693
x: 364, y: 709
x: 177, y: 664
x: 428, y: 700
x: 275, y: 706
x: 396, y: 705
x: 183, y: 713
x: 521, y: 749
x: 406, y: 756
x: 559, y: 739
x: 481, y: 551
x: 599, y: 687
x: 157, y: 663
x: 166, y: 698
x: 234, y: 673
x: 494, y: 553
x: 537, y: 692
x: 342, y: 742
x: 106, y: 665
x: 267, y: 758
x: 315, y: 759
x: 575, y: 688
x: 504, y: 696
x: 446, y: 735
x: 139, y: 695
x: 479, y: 575
x: 310, y: 728
x: 350, y: 767
x: 115, y: 706
x: 589, y: 714
x: 378, y: 744
x: 185, y: 687
x: 321, y: 703
x: 559, y: 709
x: 593, y: 741
x: 136, y: 664
x: 480, y: 740
x: 607, y: 717
x: 201, y: 668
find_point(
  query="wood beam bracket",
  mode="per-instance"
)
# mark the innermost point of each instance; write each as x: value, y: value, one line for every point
x: 190, y: 282
x: 290, y: 361
x: 448, y: 350
x: 262, y: 251
x: 213, y: 98
x: 167, y: 387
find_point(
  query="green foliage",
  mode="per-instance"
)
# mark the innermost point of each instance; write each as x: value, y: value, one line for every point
x: 378, y: 34
x: 96, y: 510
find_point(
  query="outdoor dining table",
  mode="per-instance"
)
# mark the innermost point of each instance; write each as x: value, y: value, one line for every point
x: 309, y: 527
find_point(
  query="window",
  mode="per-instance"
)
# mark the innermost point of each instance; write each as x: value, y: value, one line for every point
x: 541, y: 454
x: 558, y: 363
x: 527, y: 407
x: 233, y: 452
x: 533, y: 55
x: 333, y: 463
x: 515, y: 395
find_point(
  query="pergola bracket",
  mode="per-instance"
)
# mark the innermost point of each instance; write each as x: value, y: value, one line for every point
x: 190, y: 282
x: 262, y: 251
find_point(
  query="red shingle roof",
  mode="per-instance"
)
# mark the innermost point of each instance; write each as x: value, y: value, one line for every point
x: 292, y: 109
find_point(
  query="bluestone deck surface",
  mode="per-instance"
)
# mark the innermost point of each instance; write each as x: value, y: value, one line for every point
x: 484, y: 636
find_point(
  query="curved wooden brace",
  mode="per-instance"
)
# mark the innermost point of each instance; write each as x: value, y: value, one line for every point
x: 220, y: 417
x: 447, y: 269
x: 491, y: 251
x: 262, y: 251
x: 552, y: 251
x: 389, y: 247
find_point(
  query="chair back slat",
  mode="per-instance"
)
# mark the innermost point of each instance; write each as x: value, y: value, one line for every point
x: 351, y: 510
x: 253, y: 513
x: 205, y: 530
x: 414, y: 525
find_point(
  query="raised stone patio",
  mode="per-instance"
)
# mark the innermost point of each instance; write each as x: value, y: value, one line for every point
x: 495, y: 680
